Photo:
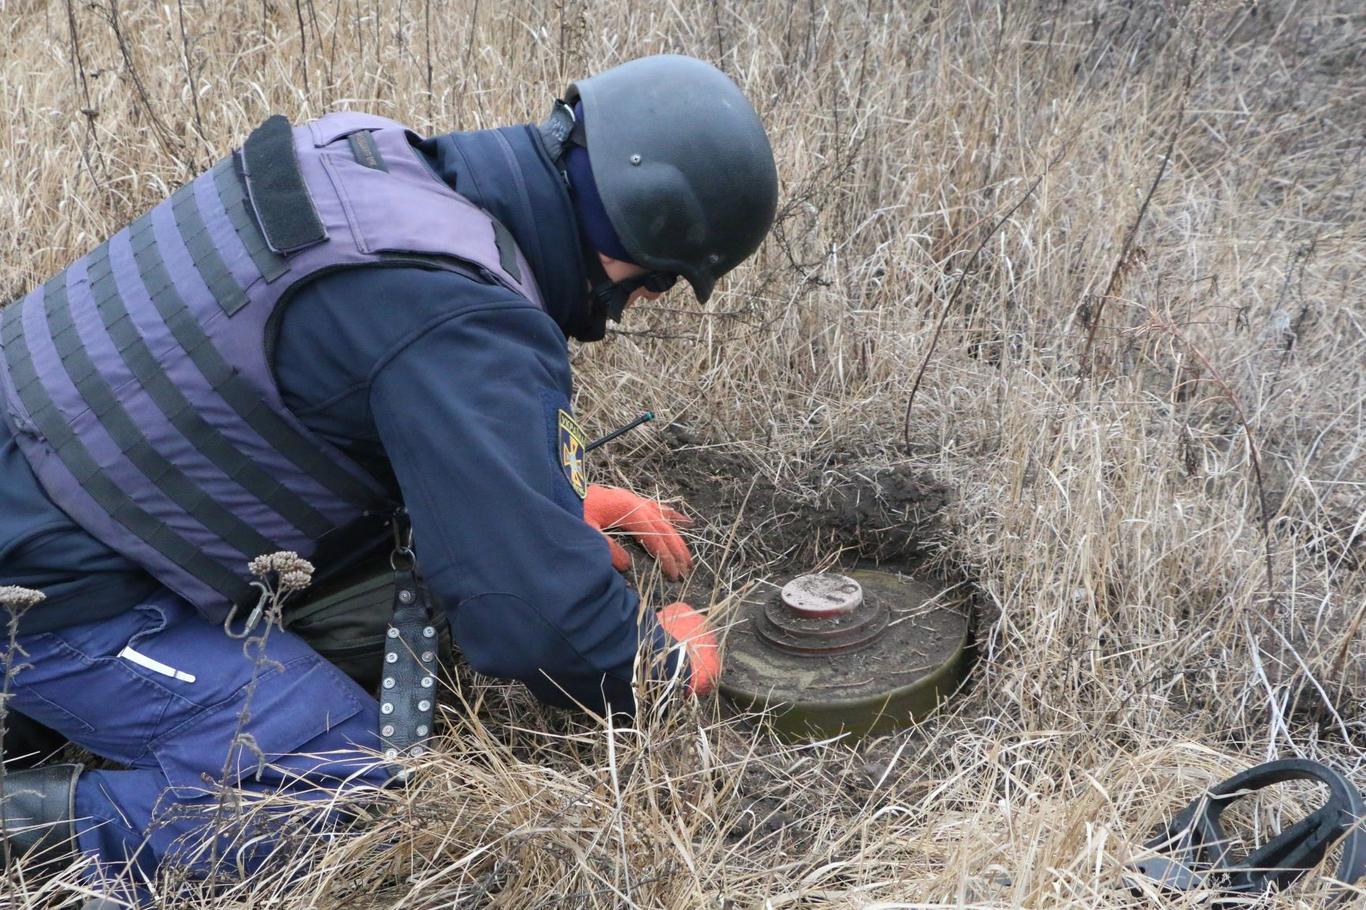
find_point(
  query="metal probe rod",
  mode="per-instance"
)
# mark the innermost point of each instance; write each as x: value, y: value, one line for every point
x: 603, y: 440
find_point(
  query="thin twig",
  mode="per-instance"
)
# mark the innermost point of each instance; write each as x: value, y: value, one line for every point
x: 82, y: 84
x: 189, y: 72
x: 465, y: 62
x: 1163, y: 324
x: 953, y: 297
x: 168, y: 138
x: 427, y: 30
x: 303, y: 44
x: 1122, y: 261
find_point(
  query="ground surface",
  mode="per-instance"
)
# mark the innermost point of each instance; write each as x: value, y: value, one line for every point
x: 1123, y: 243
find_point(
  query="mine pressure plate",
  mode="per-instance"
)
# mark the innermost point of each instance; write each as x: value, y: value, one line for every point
x: 861, y: 653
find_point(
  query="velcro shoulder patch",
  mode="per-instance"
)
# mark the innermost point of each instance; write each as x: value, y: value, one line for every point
x: 276, y: 188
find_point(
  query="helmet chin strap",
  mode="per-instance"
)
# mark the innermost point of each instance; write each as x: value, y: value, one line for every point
x: 606, y: 300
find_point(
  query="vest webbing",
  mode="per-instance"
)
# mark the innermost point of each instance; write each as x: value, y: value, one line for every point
x: 138, y: 382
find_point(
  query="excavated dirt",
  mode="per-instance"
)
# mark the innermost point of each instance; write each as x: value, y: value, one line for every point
x: 887, y: 514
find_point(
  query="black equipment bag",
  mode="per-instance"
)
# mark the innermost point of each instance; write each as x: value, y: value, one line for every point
x: 344, y: 619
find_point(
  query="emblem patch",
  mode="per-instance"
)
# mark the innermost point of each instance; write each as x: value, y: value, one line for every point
x: 573, y: 456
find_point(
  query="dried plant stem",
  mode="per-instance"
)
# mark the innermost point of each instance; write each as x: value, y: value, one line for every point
x: 303, y: 45
x: 1168, y: 326
x: 163, y: 132
x: 952, y: 298
x: 190, y: 70
x: 278, y: 576
x: 78, y: 79
x: 427, y: 38
x: 1123, y: 260
x: 1123, y: 263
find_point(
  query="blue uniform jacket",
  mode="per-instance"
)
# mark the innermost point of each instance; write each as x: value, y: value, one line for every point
x: 448, y: 389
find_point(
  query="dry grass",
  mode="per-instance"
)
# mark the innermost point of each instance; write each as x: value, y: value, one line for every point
x: 1107, y: 367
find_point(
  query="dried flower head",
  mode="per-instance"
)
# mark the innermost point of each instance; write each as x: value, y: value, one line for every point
x: 13, y: 597
x: 296, y: 580
x: 294, y: 571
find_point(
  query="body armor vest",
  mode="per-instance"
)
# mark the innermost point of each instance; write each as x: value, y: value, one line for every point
x: 138, y: 381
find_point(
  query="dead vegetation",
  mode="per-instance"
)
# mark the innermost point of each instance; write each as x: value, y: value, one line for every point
x: 1124, y: 245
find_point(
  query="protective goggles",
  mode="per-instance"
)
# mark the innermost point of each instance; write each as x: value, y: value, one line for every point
x: 658, y: 282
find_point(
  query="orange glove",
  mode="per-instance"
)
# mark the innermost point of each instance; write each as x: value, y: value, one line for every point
x: 685, y: 624
x: 653, y: 524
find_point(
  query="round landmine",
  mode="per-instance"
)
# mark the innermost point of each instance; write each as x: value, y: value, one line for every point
x: 860, y: 653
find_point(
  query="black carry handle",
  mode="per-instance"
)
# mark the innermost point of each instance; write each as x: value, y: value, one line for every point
x: 1198, y: 853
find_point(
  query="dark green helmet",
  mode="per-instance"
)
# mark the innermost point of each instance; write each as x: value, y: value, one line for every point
x: 682, y: 163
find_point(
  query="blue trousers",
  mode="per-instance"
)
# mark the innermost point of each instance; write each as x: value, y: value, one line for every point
x: 167, y: 694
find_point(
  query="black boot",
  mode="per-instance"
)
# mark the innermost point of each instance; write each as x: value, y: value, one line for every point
x: 27, y: 743
x: 39, y: 810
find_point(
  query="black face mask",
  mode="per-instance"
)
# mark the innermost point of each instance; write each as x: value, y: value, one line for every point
x: 607, y: 299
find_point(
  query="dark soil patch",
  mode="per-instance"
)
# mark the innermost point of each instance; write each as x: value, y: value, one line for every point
x: 884, y: 513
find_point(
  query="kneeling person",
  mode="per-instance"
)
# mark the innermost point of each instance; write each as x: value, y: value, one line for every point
x: 335, y: 322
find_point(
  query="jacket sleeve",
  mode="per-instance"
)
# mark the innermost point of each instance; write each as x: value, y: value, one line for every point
x: 468, y: 414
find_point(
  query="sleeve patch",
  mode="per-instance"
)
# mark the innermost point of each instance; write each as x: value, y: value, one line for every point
x: 573, y: 455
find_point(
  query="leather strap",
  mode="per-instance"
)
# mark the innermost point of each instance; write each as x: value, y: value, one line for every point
x: 407, y: 696
x: 408, y: 687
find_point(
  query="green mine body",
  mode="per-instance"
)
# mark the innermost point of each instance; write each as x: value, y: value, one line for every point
x: 861, y: 653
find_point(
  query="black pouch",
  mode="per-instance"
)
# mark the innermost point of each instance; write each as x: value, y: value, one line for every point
x: 345, y: 619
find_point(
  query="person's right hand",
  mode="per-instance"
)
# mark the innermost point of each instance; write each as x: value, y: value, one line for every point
x: 653, y: 524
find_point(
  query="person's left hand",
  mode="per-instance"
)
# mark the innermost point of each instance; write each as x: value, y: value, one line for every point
x: 685, y: 625
x: 653, y: 524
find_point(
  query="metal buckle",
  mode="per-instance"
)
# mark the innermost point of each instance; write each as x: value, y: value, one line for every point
x: 402, y: 558
x: 253, y: 618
